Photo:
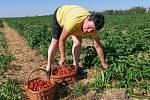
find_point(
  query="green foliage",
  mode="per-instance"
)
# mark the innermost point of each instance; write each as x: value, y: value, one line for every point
x: 89, y: 53
x: 99, y: 81
x: 126, y: 42
x: 69, y: 44
x: 10, y: 91
x: 78, y: 90
x: 3, y: 43
x: 5, y: 57
x: 1, y: 24
x: 5, y: 62
x: 35, y: 29
x: 38, y: 36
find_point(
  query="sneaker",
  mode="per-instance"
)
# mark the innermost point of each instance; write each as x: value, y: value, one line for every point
x: 80, y: 71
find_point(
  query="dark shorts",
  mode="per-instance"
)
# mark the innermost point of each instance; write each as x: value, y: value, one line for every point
x: 56, y: 29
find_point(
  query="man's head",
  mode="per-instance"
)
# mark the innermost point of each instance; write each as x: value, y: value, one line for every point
x: 93, y: 23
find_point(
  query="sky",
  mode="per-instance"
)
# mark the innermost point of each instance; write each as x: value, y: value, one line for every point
x: 21, y: 8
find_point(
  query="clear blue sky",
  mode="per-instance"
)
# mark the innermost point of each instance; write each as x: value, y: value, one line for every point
x: 18, y: 8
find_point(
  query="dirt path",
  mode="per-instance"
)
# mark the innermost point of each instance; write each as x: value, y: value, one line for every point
x: 26, y: 59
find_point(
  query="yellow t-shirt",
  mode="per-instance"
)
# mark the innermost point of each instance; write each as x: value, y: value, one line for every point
x: 71, y: 18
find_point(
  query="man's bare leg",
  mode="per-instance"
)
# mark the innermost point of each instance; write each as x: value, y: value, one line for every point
x: 76, y: 50
x: 52, y: 52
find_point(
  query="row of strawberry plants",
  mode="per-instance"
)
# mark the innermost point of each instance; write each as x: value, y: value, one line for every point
x: 9, y: 90
x: 126, y: 41
x: 1, y: 23
x: 35, y: 29
x: 5, y: 57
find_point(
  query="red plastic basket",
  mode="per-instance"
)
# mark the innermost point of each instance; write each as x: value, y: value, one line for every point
x: 42, y: 93
x: 67, y: 76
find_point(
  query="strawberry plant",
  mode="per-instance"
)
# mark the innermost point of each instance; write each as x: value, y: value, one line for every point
x: 79, y: 90
x: 5, y: 62
x: 3, y: 44
x: 1, y: 24
x: 5, y: 57
x: 89, y: 53
x: 10, y: 91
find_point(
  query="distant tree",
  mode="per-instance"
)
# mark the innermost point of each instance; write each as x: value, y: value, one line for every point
x: 149, y: 9
x: 131, y: 10
x: 94, y: 12
x: 109, y: 12
x: 119, y: 12
x: 137, y: 10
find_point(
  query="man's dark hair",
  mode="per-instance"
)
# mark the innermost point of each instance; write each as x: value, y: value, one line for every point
x: 98, y: 20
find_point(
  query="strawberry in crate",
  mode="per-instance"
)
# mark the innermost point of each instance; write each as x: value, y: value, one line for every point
x: 64, y: 73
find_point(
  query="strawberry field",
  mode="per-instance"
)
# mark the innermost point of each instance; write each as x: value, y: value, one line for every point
x: 126, y: 43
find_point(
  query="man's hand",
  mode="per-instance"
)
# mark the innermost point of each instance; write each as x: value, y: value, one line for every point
x: 99, y: 49
x: 62, y: 41
x: 105, y: 66
x: 62, y: 61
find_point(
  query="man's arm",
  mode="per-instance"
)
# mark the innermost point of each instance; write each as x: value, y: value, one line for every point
x: 99, y: 49
x: 62, y: 41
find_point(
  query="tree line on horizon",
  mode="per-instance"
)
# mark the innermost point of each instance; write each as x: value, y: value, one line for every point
x: 128, y: 11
